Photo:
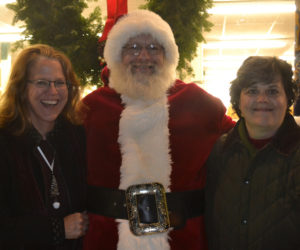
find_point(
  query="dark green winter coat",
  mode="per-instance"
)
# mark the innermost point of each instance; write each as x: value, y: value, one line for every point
x: 253, y: 196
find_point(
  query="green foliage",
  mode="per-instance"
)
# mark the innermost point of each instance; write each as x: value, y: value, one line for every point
x: 188, y: 19
x: 59, y: 23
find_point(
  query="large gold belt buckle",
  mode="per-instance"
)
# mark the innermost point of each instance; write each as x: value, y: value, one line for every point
x: 136, y: 226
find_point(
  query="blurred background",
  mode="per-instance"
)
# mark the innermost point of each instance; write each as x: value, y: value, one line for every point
x: 240, y: 29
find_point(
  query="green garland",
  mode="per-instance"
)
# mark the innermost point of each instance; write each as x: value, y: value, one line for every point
x: 188, y: 19
x: 59, y: 23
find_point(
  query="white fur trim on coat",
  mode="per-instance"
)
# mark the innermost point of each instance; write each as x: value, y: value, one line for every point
x: 136, y: 23
x: 144, y: 144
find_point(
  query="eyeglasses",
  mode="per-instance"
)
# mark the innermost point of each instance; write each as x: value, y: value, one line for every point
x: 45, y: 84
x: 135, y: 49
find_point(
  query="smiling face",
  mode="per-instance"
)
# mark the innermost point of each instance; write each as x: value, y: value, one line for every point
x: 143, y: 55
x: 45, y: 104
x: 143, y: 72
x: 263, y: 107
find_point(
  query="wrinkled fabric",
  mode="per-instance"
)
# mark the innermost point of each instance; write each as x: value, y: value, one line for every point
x: 253, y: 197
x: 26, y: 222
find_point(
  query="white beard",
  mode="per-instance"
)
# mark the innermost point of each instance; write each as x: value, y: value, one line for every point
x: 139, y: 86
x: 144, y: 141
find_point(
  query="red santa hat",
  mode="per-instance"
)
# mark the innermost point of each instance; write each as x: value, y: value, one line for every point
x: 136, y: 23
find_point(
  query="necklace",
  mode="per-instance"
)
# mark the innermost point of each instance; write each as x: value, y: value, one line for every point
x: 54, y: 192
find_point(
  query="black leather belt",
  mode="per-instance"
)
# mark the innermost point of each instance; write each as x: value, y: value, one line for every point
x: 112, y: 203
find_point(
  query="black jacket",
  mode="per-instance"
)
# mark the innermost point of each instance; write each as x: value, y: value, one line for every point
x: 253, y: 197
x: 25, y: 222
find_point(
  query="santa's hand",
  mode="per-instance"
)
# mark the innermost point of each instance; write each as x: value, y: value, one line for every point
x: 76, y: 225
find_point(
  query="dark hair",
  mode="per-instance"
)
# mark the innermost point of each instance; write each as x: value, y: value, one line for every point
x: 265, y: 69
x: 13, y: 108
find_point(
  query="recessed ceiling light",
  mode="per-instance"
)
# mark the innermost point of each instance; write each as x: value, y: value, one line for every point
x: 250, y: 8
x: 3, y: 2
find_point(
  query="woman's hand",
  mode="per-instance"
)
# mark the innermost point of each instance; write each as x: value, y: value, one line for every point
x: 76, y: 225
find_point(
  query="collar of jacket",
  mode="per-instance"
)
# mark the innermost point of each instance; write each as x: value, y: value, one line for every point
x: 285, y: 141
x: 35, y: 136
x: 31, y: 137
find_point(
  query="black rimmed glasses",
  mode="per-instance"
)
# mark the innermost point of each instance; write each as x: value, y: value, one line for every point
x: 45, y: 84
x: 135, y: 49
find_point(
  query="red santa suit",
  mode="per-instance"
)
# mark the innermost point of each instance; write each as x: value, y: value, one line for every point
x: 134, y: 141
x: 194, y: 121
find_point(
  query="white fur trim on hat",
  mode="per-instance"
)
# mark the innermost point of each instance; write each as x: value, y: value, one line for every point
x: 136, y: 23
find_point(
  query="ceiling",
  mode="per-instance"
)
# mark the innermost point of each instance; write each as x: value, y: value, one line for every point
x: 241, y: 29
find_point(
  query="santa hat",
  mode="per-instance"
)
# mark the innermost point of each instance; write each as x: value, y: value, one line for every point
x: 136, y: 23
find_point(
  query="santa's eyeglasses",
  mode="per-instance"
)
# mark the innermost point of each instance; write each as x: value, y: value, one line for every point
x: 135, y: 49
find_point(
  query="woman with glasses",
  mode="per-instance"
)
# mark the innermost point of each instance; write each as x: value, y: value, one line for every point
x: 253, y: 179
x: 42, y: 151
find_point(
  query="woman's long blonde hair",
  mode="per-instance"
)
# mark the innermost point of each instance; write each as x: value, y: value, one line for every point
x: 13, y: 102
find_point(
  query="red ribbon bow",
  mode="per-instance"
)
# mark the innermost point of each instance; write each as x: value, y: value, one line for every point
x: 115, y: 9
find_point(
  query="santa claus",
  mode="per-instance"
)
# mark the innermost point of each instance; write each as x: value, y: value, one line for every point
x: 148, y: 137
